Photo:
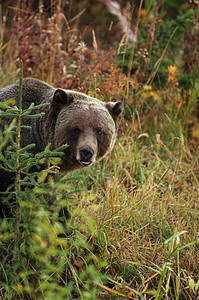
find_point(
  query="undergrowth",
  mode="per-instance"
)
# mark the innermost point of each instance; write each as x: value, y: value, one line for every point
x: 133, y: 231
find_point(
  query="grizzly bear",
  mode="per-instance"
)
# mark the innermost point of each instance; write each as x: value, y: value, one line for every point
x: 86, y: 124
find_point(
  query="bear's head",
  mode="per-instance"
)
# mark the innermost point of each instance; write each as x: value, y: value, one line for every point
x: 87, y: 125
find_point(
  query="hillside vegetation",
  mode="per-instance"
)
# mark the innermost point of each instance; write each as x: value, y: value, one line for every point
x: 134, y: 226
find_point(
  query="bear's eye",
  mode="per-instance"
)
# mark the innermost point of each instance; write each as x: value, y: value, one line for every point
x: 76, y: 131
x: 98, y: 131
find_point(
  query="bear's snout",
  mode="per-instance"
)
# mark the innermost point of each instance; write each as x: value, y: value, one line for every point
x: 86, y: 153
x: 86, y: 148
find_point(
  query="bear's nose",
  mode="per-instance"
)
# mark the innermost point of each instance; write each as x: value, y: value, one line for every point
x: 86, y: 153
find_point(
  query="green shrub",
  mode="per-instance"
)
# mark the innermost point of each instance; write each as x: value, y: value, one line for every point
x: 38, y: 252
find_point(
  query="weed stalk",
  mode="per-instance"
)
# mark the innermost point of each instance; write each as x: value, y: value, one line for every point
x: 18, y: 143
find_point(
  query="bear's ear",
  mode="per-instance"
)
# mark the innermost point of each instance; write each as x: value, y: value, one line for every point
x: 61, y: 98
x: 115, y: 109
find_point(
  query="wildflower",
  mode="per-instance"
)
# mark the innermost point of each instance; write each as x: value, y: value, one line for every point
x: 173, y: 72
x: 149, y: 92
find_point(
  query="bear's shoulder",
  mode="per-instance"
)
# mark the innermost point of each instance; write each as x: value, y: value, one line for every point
x: 33, y: 91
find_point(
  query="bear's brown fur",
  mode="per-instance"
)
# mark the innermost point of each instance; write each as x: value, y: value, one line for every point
x: 86, y: 124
